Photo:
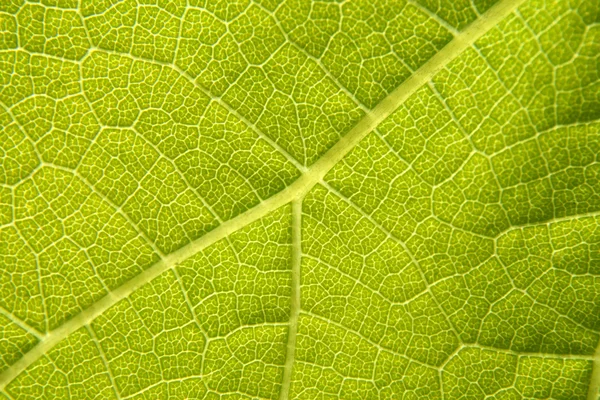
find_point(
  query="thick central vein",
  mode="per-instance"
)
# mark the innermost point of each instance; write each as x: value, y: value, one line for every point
x: 296, y: 190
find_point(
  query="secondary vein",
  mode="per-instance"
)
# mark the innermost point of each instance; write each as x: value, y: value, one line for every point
x: 594, y: 388
x: 295, y: 300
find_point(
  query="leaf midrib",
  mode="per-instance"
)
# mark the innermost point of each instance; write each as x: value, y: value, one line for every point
x: 295, y: 191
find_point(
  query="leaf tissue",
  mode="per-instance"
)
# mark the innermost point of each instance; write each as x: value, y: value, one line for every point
x: 300, y: 199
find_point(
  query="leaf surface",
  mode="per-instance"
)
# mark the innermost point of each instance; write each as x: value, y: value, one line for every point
x: 300, y: 199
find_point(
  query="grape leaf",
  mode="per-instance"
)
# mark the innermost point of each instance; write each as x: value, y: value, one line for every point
x: 300, y: 199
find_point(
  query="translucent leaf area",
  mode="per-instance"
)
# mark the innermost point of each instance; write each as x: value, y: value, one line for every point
x: 300, y: 199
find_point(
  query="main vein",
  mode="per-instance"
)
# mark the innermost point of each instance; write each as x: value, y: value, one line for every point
x: 295, y: 191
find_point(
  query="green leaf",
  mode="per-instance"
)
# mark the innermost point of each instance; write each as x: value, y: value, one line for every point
x: 300, y: 199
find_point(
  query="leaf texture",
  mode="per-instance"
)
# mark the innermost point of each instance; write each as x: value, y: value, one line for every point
x: 300, y: 199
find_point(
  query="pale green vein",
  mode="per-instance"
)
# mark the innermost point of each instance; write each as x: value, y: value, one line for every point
x: 295, y: 301
x: 549, y: 221
x: 92, y: 334
x: 20, y: 323
x: 296, y: 190
x: 594, y: 388
x: 213, y: 97
x: 99, y: 307
x: 435, y: 17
